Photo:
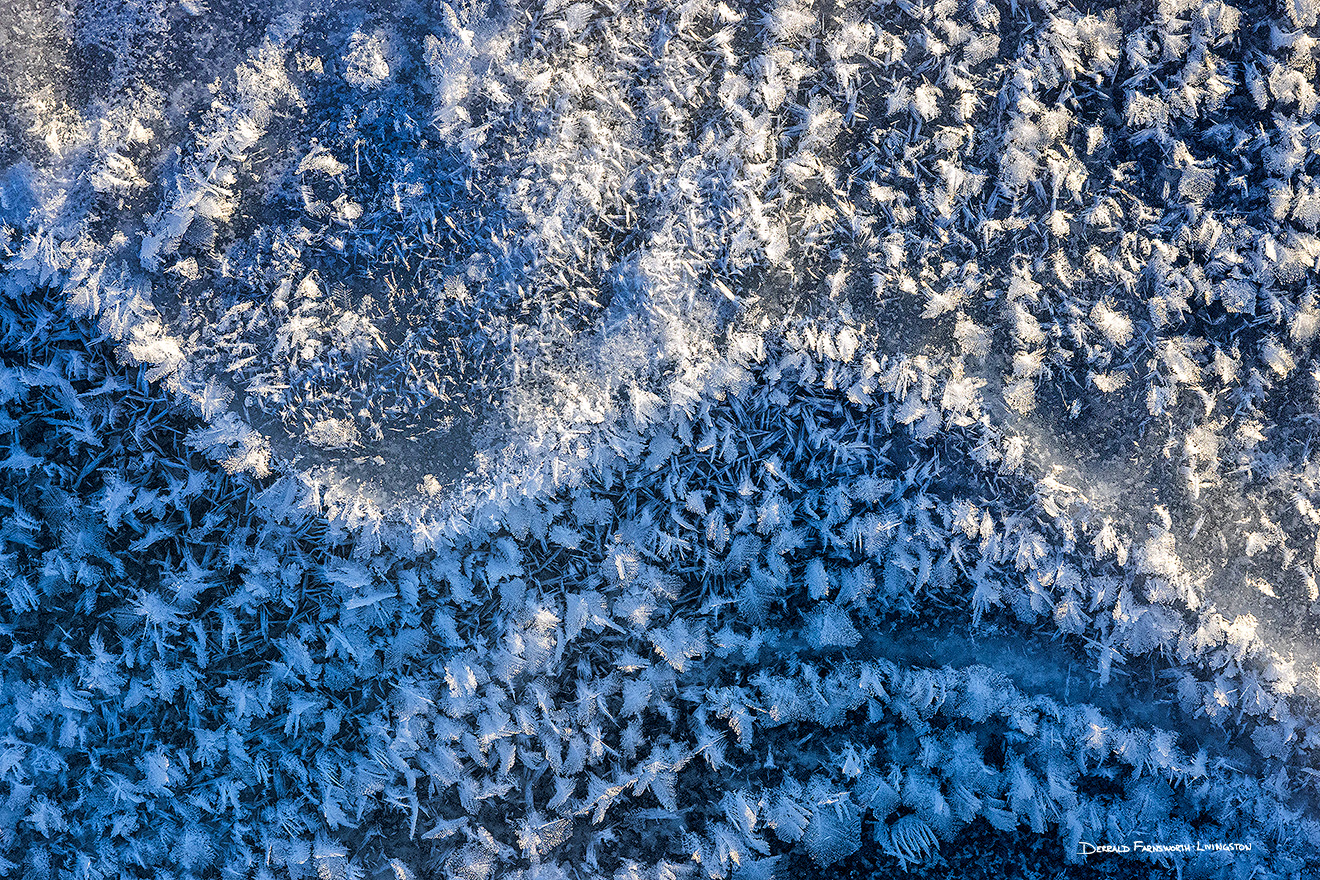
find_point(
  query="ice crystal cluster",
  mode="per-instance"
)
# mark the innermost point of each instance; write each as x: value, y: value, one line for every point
x: 649, y: 440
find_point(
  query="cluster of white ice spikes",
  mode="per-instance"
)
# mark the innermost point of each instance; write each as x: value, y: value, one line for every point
x: 642, y: 439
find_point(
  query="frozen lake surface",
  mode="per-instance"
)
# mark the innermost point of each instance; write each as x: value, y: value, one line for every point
x: 658, y: 440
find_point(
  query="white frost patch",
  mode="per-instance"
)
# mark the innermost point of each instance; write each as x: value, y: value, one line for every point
x: 366, y: 65
x: 333, y: 434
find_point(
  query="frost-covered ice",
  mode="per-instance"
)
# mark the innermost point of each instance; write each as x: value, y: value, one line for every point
x: 656, y: 439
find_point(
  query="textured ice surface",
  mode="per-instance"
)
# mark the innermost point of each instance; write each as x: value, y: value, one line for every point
x: 656, y: 439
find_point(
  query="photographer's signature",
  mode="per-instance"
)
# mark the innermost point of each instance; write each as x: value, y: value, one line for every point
x: 1086, y: 848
